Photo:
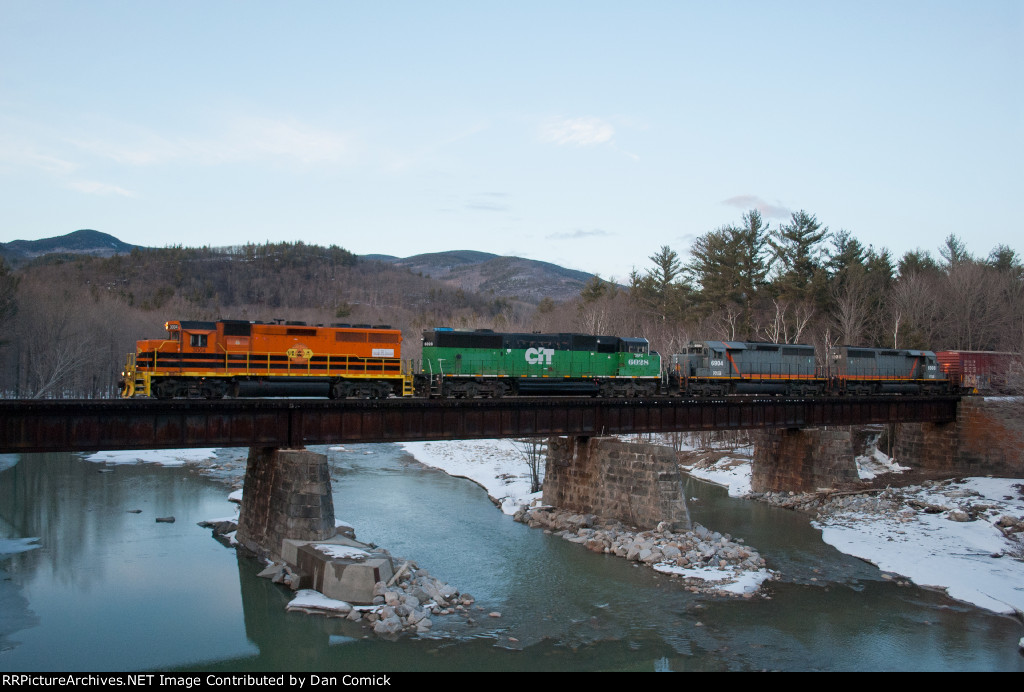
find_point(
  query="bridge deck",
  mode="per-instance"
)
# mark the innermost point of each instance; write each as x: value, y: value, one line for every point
x: 62, y: 425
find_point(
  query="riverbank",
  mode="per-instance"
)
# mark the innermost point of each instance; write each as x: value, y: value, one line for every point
x: 964, y: 536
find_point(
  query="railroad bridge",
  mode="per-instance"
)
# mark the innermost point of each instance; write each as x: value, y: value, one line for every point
x: 801, y: 444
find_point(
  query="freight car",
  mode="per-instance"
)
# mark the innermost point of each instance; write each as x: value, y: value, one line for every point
x: 468, y: 364
x: 985, y: 372
x: 217, y: 359
x: 717, y: 368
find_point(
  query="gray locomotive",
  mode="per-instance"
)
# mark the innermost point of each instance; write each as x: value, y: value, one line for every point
x: 719, y: 368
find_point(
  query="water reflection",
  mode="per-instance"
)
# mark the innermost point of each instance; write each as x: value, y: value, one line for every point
x: 114, y: 590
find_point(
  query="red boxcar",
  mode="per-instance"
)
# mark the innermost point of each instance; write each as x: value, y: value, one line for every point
x: 980, y: 371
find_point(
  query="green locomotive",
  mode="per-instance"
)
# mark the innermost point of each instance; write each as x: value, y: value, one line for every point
x: 484, y: 363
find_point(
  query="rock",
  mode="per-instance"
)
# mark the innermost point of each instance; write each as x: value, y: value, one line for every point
x: 165, y: 520
x: 958, y: 515
x: 390, y: 625
x: 494, y: 614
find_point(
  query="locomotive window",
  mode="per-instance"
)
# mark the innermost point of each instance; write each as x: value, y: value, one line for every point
x: 175, y: 336
x: 197, y: 340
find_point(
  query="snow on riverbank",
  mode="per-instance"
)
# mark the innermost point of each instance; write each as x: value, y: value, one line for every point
x: 164, y: 457
x: 959, y: 549
x: 498, y: 466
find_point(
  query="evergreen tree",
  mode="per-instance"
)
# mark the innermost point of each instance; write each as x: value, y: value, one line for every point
x: 797, y: 250
x: 954, y: 252
x: 917, y: 262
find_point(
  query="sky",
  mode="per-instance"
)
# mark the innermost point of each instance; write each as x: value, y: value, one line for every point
x: 588, y: 134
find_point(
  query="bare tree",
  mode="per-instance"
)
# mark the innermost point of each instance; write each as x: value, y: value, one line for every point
x: 57, y: 345
x: 974, y: 317
x: 915, y: 310
x: 852, y: 307
x: 535, y: 451
x: 788, y: 322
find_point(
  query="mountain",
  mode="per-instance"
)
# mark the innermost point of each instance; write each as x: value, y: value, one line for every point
x: 472, y: 271
x: 83, y: 242
x: 487, y: 273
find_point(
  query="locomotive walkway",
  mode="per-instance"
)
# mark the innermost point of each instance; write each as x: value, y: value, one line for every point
x: 93, y: 425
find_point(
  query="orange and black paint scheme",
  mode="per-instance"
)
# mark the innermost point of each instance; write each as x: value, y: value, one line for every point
x: 215, y: 359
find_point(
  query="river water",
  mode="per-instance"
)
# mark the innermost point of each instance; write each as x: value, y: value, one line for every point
x: 112, y: 589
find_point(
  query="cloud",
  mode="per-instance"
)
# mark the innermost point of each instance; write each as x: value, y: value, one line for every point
x: 20, y: 153
x: 747, y: 202
x: 488, y: 201
x: 582, y: 132
x: 94, y: 188
x: 579, y: 233
x: 242, y: 140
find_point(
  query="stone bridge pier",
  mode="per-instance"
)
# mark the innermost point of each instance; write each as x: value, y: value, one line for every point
x: 987, y: 438
x: 287, y: 517
x: 287, y: 495
x: 802, y: 459
x: 638, y: 484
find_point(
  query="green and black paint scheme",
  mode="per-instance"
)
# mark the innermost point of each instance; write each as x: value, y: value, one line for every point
x: 484, y: 363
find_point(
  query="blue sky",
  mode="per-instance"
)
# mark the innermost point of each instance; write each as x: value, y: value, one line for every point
x: 587, y: 134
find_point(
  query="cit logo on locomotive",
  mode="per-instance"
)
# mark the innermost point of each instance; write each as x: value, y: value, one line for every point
x: 539, y: 356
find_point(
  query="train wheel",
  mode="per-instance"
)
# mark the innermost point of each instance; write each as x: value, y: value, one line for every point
x: 163, y: 389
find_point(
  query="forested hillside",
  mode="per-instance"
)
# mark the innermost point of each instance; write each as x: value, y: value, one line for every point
x: 67, y: 322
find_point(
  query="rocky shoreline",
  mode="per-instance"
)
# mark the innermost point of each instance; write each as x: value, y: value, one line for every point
x: 706, y: 561
x: 901, y: 504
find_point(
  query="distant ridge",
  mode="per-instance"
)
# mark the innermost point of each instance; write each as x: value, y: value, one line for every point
x: 83, y: 242
x: 469, y: 270
x: 487, y: 273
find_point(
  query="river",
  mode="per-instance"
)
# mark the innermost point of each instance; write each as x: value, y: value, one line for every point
x: 109, y: 588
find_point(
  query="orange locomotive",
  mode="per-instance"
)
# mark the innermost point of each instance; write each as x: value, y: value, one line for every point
x: 216, y: 359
